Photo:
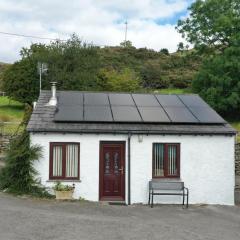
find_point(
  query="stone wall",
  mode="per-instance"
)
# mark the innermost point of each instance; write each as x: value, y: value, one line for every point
x: 237, y: 159
x: 4, y: 143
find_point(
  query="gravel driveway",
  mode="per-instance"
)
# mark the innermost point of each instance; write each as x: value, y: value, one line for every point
x: 47, y: 219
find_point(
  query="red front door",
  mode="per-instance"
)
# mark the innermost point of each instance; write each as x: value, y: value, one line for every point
x: 112, y: 171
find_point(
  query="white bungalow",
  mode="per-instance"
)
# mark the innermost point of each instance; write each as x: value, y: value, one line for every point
x: 110, y: 145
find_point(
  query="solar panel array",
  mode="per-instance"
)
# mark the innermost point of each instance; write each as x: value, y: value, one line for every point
x: 145, y: 108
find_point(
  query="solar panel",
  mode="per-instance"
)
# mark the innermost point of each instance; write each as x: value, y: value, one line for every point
x: 169, y: 101
x: 69, y: 114
x: 125, y: 114
x: 121, y: 99
x: 153, y: 114
x: 180, y: 115
x: 206, y: 115
x: 145, y: 100
x: 96, y: 99
x: 70, y: 98
x: 193, y: 100
x: 150, y: 108
x: 98, y: 114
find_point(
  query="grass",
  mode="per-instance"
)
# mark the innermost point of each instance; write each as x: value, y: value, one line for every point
x: 174, y: 91
x: 236, y: 125
x: 10, y: 111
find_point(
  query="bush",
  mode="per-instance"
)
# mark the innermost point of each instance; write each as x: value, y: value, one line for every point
x: 18, y: 175
x: 125, y: 80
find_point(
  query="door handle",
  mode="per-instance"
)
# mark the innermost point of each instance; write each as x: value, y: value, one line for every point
x: 121, y: 170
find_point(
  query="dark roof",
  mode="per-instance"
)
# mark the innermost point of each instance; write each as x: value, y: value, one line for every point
x: 46, y: 118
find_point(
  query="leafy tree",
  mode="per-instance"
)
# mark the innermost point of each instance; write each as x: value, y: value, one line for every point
x: 164, y: 51
x: 127, y: 44
x: 218, y: 80
x: 20, y: 81
x: 180, y: 47
x: 3, y: 67
x: 151, y: 75
x: 212, y: 23
x: 72, y: 64
x: 124, y: 81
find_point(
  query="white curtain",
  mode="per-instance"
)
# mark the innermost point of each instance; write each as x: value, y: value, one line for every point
x: 172, y: 160
x: 57, y: 161
x: 158, y: 155
x: 71, y: 160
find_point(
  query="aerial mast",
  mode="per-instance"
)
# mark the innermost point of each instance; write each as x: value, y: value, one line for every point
x: 126, y: 28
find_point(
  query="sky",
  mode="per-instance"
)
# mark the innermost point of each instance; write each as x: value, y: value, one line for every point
x: 151, y: 23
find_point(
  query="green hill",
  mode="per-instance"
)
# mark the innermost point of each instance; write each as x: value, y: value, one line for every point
x: 155, y: 69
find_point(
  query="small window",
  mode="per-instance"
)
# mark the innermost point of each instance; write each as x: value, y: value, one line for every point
x: 166, y: 160
x: 64, y: 161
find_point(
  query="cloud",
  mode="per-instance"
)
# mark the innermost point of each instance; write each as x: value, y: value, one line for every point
x: 97, y: 21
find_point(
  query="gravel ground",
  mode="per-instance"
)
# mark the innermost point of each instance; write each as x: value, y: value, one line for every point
x: 24, y: 218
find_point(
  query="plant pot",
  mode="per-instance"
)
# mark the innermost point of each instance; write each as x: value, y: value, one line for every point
x: 64, y: 195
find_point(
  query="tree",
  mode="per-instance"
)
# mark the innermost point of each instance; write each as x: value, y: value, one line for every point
x: 164, y: 51
x: 20, y: 81
x: 180, y: 47
x: 212, y: 23
x: 218, y: 80
x: 125, y: 80
x: 151, y: 75
x: 72, y: 64
x: 127, y: 44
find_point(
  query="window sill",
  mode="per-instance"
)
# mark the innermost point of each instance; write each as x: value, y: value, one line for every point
x: 178, y: 179
x: 63, y: 180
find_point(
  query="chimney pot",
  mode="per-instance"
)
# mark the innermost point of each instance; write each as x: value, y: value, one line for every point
x: 53, y: 99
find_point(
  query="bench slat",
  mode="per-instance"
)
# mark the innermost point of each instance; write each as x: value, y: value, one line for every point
x: 164, y: 185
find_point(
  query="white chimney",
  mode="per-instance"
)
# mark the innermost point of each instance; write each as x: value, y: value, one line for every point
x: 34, y: 105
x: 53, y: 99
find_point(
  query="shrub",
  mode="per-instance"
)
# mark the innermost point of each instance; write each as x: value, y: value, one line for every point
x: 18, y: 175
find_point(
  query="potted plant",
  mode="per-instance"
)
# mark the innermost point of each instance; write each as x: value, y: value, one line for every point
x: 63, y: 192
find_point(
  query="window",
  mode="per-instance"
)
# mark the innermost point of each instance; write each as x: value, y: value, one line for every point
x: 166, y: 160
x: 64, y: 161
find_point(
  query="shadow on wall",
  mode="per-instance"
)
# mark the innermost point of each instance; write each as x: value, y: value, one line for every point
x: 237, y: 173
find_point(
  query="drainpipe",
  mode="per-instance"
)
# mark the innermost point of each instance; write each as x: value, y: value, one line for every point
x: 129, y: 168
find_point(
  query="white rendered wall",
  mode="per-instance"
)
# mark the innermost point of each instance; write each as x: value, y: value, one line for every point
x: 88, y: 187
x: 207, y: 165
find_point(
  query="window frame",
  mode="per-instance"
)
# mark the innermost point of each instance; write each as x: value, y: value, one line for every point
x: 165, y: 160
x: 64, y: 146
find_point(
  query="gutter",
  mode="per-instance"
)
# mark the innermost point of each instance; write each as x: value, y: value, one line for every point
x: 148, y: 132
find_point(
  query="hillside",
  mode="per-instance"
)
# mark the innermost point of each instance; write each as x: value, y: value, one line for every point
x: 155, y: 69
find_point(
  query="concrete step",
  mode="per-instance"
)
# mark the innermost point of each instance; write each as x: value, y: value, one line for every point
x: 237, y: 196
